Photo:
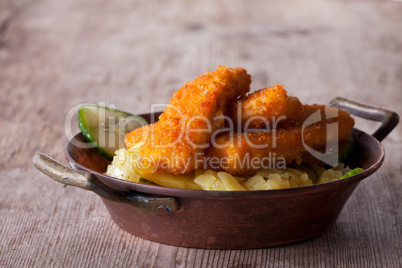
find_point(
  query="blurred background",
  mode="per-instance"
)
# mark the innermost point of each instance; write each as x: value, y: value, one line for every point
x: 134, y: 53
x: 121, y: 52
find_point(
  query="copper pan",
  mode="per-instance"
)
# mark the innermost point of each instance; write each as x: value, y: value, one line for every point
x: 220, y: 219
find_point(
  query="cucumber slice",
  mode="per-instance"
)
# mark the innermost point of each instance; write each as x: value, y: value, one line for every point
x: 105, y: 128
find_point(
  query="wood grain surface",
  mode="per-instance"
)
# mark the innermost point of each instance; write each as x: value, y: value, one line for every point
x: 56, y: 55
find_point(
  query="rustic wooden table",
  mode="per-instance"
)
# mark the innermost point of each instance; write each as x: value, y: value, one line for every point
x: 55, y: 55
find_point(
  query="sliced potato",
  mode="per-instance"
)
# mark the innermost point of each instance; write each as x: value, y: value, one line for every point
x: 274, y: 183
x: 205, y: 181
x: 218, y: 186
x: 256, y: 182
x: 330, y: 175
x: 230, y: 182
x: 185, y: 181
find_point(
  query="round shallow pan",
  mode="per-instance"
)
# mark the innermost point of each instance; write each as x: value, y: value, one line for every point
x: 220, y: 219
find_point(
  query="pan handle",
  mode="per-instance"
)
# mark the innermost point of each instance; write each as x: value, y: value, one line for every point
x: 157, y: 205
x: 388, y: 118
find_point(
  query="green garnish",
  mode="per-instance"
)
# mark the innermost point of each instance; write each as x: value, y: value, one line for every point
x: 352, y: 172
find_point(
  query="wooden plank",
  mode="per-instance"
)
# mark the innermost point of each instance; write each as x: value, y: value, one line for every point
x: 55, y: 55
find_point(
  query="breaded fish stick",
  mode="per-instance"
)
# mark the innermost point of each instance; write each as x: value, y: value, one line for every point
x: 245, y: 152
x: 259, y: 109
x: 176, y: 143
x: 293, y: 108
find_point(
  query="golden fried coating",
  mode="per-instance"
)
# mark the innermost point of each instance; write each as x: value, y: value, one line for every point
x: 243, y: 153
x: 176, y: 143
x: 293, y: 108
x: 139, y: 135
x: 259, y: 109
